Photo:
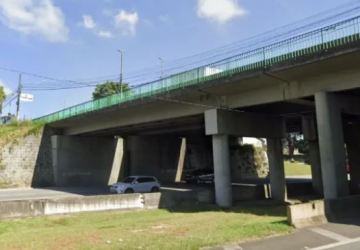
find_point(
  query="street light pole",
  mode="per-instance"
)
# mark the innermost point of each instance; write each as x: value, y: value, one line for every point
x: 121, y: 72
x: 161, y: 68
x: 18, y: 98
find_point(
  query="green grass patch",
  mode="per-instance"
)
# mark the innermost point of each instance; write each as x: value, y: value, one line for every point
x: 16, y: 130
x: 184, y: 229
x: 297, y: 169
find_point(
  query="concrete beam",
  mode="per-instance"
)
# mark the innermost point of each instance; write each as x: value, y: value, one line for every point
x: 224, y: 122
x: 332, y: 146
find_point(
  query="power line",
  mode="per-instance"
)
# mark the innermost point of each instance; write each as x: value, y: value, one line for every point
x: 200, y: 59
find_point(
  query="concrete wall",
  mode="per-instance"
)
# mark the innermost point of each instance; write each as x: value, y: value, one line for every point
x: 199, y: 152
x: 85, y: 161
x: 154, y: 155
x: 26, y: 161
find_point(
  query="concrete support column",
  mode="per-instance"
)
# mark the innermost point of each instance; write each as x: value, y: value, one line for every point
x: 277, y: 173
x: 310, y: 135
x: 353, y: 152
x: 331, y: 143
x: 181, y: 161
x: 116, y: 169
x: 315, y: 162
x: 222, y: 171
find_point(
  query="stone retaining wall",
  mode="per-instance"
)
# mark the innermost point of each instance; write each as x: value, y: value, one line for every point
x: 27, y: 162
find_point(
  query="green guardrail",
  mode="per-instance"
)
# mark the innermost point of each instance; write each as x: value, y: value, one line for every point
x: 307, y: 44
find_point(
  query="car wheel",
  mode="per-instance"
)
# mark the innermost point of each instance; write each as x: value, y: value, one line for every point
x: 155, y: 190
x: 129, y: 191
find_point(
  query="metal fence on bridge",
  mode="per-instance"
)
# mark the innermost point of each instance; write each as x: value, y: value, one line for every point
x: 307, y: 44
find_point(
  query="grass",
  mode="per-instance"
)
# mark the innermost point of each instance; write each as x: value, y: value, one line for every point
x: 152, y: 229
x: 297, y: 169
x: 15, y: 130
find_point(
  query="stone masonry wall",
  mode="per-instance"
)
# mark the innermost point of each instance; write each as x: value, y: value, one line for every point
x: 248, y: 161
x: 27, y: 162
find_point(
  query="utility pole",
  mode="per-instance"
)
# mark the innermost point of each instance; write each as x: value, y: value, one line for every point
x: 18, y: 98
x: 161, y: 68
x: 121, y: 72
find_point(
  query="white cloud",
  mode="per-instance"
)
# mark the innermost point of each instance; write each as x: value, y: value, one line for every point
x: 6, y: 89
x: 88, y: 22
x: 104, y: 34
x: 35, y: 17
x: 165, y: 18
x: 219, y: 11
x: 127, y: 22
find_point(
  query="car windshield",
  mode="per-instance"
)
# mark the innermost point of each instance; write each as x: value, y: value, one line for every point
x: 129, y: 180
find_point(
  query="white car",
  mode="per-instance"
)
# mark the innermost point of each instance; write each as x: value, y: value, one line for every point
x: 136, y: 184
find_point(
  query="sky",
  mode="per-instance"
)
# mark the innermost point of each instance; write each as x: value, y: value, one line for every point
x: 79, y: 40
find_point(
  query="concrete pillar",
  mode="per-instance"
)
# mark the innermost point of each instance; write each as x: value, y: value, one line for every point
x: 310, y: 135
x: 117, y: 164
x: 315, y: 162
x: 331, y: 143
x: 222, y: 171
x: 181, y: 161
x: 276, y: 167
x: 353, y: 152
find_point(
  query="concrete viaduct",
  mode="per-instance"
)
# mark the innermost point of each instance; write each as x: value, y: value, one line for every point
x: 316, y: 92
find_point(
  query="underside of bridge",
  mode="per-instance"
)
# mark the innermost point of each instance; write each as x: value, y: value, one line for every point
x: 319, y: 99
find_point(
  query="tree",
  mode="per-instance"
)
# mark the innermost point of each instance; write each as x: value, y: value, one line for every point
x: 2, y: 97
x: 109, y: 88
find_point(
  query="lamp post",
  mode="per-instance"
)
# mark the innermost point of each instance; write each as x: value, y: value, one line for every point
x: 121, y: 72
x: 161, y: 68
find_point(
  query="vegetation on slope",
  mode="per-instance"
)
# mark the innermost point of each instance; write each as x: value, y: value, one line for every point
x: 17, y: 130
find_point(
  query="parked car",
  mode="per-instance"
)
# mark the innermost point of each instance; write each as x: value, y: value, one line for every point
x: 204, y: 175
x: 136, y: 184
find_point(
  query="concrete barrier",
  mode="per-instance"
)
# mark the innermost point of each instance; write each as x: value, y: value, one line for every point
x: 39, y: 207
x: 31, y: 208
x: 93, y: 203
x: 168, y: 199
x: 306, y: 214
x: 23, y: 208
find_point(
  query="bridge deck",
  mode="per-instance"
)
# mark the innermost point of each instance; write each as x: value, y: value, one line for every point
x: 307, y: 45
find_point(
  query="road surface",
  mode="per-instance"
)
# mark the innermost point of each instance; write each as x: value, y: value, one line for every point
x: 330, y: 236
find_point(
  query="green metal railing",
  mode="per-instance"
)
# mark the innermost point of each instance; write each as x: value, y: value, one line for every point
x: 314, y: 42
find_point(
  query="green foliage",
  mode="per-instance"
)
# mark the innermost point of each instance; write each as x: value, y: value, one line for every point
x: 2, y: 97
x: 16, y: 130
x: 109, y: 88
